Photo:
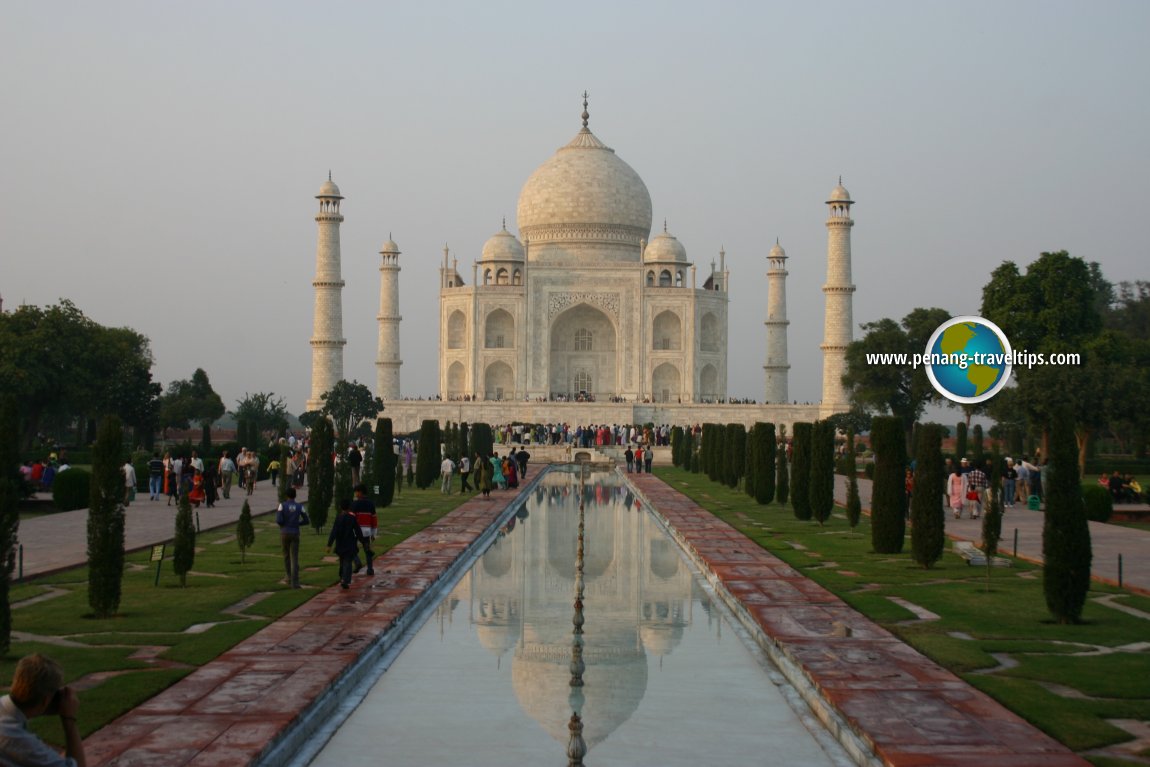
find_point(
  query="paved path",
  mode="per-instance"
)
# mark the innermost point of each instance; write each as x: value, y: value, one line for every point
x: 58, y: 541
x: 1108, y: 541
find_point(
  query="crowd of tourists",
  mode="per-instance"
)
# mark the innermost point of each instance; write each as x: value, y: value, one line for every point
x: 1124, y: 488
x: 968, y: 486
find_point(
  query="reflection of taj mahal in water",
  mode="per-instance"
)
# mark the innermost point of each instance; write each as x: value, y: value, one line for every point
x: 583, y: 305
x: 638, y: 592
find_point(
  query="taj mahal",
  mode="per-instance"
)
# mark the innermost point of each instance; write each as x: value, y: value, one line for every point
x: 584, y: 313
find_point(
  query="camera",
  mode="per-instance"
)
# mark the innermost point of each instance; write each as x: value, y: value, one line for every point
x: 54, y: 706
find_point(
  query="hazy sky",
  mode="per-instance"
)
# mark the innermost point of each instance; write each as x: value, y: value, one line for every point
x: 161, y: 159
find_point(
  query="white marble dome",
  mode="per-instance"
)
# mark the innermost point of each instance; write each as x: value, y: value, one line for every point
x: 584, y: 192
x: 777, y: 251
x: 329, y: 189
x: 502, y: 246
x: 665, y: 247
x: 389, y: 247
x: 840, y: 194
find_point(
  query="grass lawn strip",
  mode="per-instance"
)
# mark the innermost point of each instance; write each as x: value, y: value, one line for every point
x: 163, y: 633
x: 1099, y: 668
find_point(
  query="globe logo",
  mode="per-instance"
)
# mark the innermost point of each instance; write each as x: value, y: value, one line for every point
x: 968, y: 359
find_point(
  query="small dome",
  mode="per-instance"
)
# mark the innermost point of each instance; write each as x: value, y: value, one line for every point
x: 840, y: 194
x: 502, y: 246
x: 777, y: 251
x: 329, y: 189
x: 390, y: 247
x: 665, y: 247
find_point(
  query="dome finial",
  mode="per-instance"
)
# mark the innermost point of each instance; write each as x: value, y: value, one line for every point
x: 664, y: 226
x: 840, y: 179
x: 505, y: 223
x: 586, y: 116
x: 329, y: 174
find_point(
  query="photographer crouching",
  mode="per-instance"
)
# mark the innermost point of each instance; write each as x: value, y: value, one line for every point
x: 38, y: 690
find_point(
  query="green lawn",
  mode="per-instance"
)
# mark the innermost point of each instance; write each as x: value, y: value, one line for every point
x: 167, y: 622
x: 1005, y: 618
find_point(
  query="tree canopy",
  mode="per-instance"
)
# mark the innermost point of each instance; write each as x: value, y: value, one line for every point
x: 266, y: 411
x: 349, y: 405
x: 191, y: 401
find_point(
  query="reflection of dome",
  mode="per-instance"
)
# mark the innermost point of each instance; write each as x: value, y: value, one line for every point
x: 659, y: 638
x: 329, y: 189
x: 614, y: 684
x: 497, y: 559
x: 502, y: 246
x: 840, y: 194
x: 584, y: 193
x: 665, y: 247
x: 497, y: 639
x: 562, y: 544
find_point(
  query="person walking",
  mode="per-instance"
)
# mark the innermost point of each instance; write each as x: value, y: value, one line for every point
x: 629, y: 456
x: 345, y: 537
x: 364, y: 510
x: 354, y: 460
x: 446, y: 471
x: 227, y: 469
x: 129, y: 472
x: 155, y: 476
x: 521, y: 458
x: 290, y: 516
x: 465, y: 474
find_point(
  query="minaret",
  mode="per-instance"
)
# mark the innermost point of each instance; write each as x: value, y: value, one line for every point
x: 777, y: 365
x: 838, y: 324
x: 387, y: 362
x: 327, y: 339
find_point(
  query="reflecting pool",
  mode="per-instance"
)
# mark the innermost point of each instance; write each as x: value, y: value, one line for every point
x: 668, y: 676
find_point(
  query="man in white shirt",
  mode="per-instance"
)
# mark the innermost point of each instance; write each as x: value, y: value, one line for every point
x: 446, y: 469
x: 129, y: 472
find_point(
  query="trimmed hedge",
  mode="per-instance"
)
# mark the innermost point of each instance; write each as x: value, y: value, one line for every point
x: 1099, y: 503
x: 72, y: 489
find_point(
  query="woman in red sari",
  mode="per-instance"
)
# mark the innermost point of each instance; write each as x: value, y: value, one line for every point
x: 197, y: 495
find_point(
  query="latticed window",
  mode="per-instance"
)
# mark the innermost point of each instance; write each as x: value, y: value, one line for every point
x: 498, y: 342
x: 583, y: 381
x: 582, y: 340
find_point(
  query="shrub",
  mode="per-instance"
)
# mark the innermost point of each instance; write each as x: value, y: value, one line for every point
x: 72, y: 489
x: 10, y: 492
x: 960, y: 441
x: 782, y: 472
x: 854, y: 503
x: 245, y: 531
x: 749, y: 465
x: 801, y: 470
x: 482, y: 441
x: 184, y: 544
x: 1066, y: 551
x: 385, y: 459
x: 927, y: 534
x: 888, y: 493
x: 1099, y: 503
x: 734, y: 453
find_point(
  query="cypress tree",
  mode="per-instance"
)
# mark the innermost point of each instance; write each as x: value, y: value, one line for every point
x: 801, y: 470
x: 427, y: 458
x: 821, y: 490
x: 677, y: 446
x: 992, y: 518
x: 184, y: 545
x: 342, y: 471
x: 960, y: 441
x: 977, y: 456
x: 749, y: 466
x: 716, y: 452
x: 464, y: 440
x: 763, y: 435
x: 782, y: 469
x: 1066, y: 548
x: 888, y: 493
x: 320, y: 473
x: 482, y: 441
x: 106, y: 520
x: 854, y: 503
x: 385, y: 460
x: 10, y: 488
x: 735, y: 437
x: 245, y: 531
x: 927, y: 534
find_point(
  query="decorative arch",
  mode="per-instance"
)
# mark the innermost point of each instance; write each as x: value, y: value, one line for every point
x: 583, y: 350
x: 667, y: 332
x: 456, y: 380
x: 665, y: 278
x: 499, y: 330
x: 517, y: 277
x: 457, y: 330
x: 487, y: 276
x: 709, y: 383
x: 499, y: 381
x: 666, y: 383
x: 501, y: 277
x: 651, y: 278
x: 679, y: 279
x: 709, y: 333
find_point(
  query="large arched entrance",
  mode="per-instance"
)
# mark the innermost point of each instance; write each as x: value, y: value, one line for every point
x: 665, y: 386
x: 583, y: 345
x: 709, y: 384
x: 499, y: 381
x: 456, y: 380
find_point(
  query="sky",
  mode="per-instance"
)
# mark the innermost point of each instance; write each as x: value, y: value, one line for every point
x: 162, y: 158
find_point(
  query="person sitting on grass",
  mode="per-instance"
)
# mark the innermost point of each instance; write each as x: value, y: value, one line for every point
x: 38, y: 690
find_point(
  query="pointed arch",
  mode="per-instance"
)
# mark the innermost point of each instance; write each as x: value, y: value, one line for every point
x: 457, y: 330
x: 499, y: 330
